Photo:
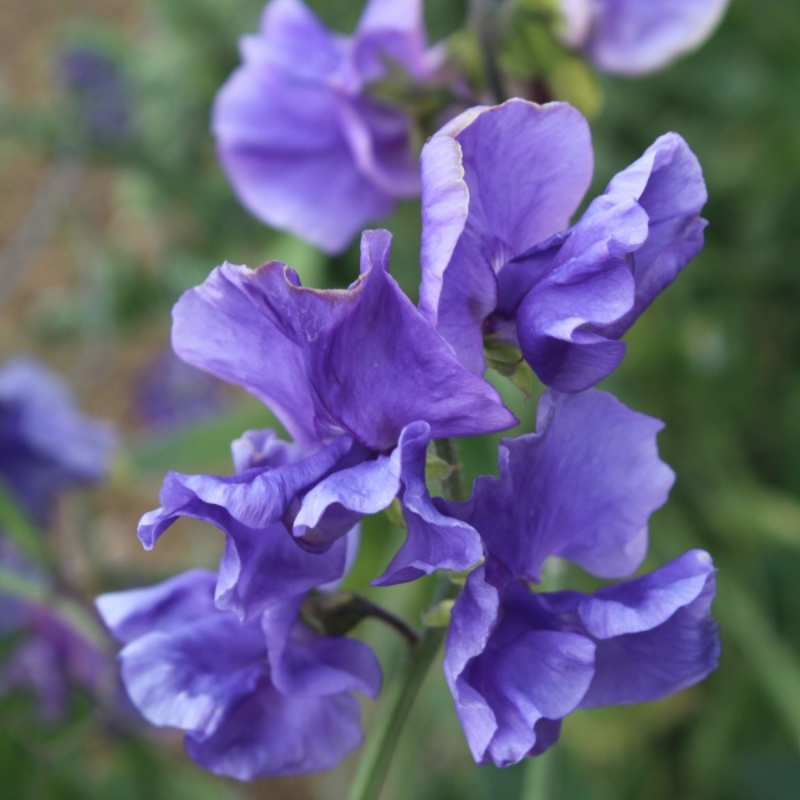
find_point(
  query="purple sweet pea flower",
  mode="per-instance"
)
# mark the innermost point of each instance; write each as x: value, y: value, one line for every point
x: 499, y: 187
x: 353, y: 375
x: 46, y: 445
x: 302, y: 143
x: 634, y: 37
x: 270, y: 697
x: 582, y: 488
x: 518, y: 662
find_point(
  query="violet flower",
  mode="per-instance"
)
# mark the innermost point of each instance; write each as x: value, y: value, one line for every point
x: 303, y: 144
x: 581, y: 488
x: 634, y: 37
x: 270, y: 697
x: 362, y: 382
x: 46, y: 445
x: 499, y: 187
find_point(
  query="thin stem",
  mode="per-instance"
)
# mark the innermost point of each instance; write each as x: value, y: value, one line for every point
x: 382, y: 741
x: 537, y: 782
x: 380, y: 746
x: 483, y: 13
x: 452, y: 484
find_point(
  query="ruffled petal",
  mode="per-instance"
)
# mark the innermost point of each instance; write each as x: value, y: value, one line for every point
x: 261, y: 563
x: 170, y: 604
x: 305, y: 663
x: 656, y: 658
x: 270, y: 734
x: 667, y: 182
x: 582, y: 487
x: 189, y: 675
x: 521, y: 170
x: 510, y: 666
x: 434, y: 540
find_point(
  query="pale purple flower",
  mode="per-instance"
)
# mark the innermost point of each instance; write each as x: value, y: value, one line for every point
x: 499, y: 260
x: 582, y: 488
x: 363, y: 382
x: 634, y: 37
x: 303, y: 144
x: 270, y: 697
x: 46, y: 445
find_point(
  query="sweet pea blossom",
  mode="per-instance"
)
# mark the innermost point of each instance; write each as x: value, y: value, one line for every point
x: 499, y: 185
x: 270, y: 697
x: 582, y: 488
x: 362, y: 382
x: 303, y: 144
x: 46, y: 445
x: 634, y: 37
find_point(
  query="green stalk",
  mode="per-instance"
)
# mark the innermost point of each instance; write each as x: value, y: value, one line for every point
x: 538, y: 779
x: 382, y: 740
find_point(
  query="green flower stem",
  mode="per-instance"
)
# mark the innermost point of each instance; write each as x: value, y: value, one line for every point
x: 383, y: 738
x: 538, y: 780
x: 484, y: 19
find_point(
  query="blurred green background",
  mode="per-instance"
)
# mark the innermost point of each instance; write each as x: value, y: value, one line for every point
x: 98, y: 236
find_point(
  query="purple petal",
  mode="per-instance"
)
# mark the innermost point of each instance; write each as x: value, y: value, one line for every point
x: 668, y: 184
x: 395, y: 29
x: 434, y: 540
x: 261, y: 563
x: 631, y: 37
x: 509, y: 666
x: 549, y: 146
x: 270, y: 734
x: 219, y: 327
x: 362, y: 360
x: 189, y: 677
x: 305, y: 663
x: 582, y: 487
x: 167, y: 605
x: 589, y: 285
x: 652, y: 662
x: 263, y: 448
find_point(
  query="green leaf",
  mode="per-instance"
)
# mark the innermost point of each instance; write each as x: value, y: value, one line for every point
x: 437, y: 469
x: 395, y: 513
x: 16, y: 524
x: 776, y: 667
x: 438, y: 616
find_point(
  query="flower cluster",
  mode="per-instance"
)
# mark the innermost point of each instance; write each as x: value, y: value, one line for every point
x: 363, y: 381
x: 310, y: 143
